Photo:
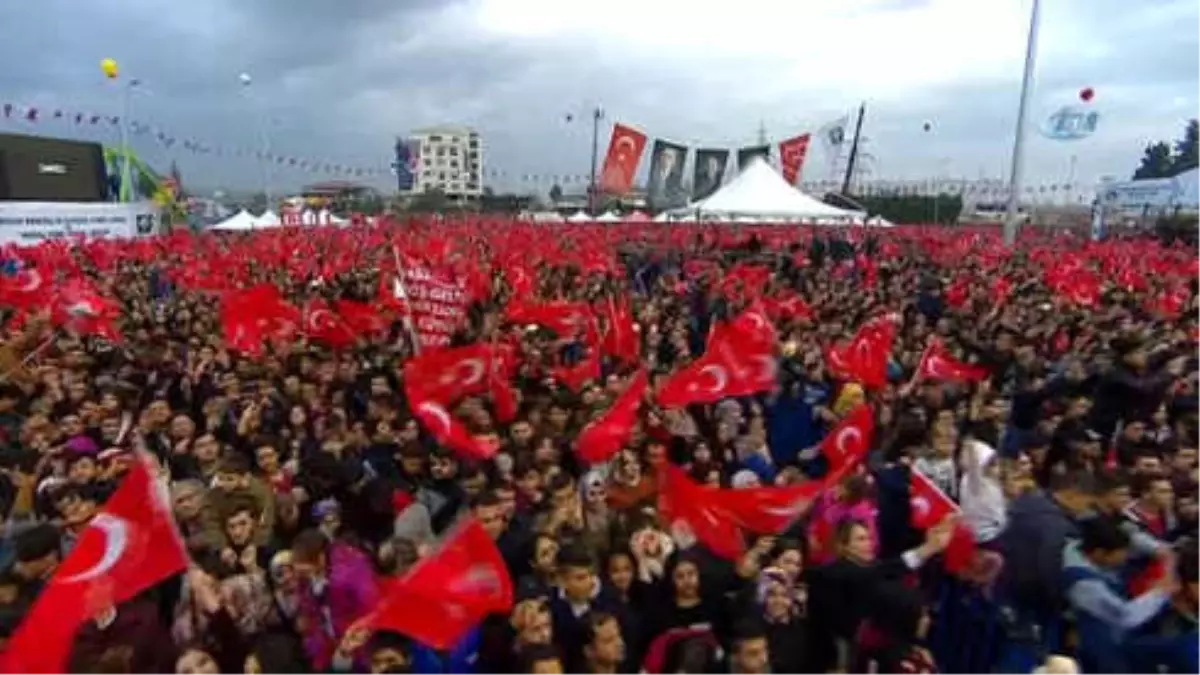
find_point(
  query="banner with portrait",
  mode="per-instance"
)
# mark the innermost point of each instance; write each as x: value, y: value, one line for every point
x: 747, y: 154
x: 709, y: 172
x: 664, y: 187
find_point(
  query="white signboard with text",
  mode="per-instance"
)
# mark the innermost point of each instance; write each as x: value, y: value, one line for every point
x: 27, y: 223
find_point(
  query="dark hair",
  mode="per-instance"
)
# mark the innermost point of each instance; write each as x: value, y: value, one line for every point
x: 591, y: 624
x: 309, y: 545
x: 748, y: 629
x: 1102, y: 534
x: 1077, y: 480
x: 1108, y: 481
x: 279, y: 652
x: 234, y: 462
x: 1143, y: 482
x: 486, y: 499
x: 389, y: 640
x: 559, y: 481
x: 1187, y: 563
x: 239, y: 504
x: 531, y: 655
x: 37, y: 542
x: 575, y: 556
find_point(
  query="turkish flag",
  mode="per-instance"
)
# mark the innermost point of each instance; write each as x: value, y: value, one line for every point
x: 739, y: 361
x: 574, y: 377
x: 129, y: 546
x: 621, y: 163
x: 792, y: 153
x: 847, y: 444
x: 865, y: 359
x: 937, y: 364
x: 928, y: 506
x: 449, y: 375
x: 446, y: 429
x: 622, y: 339
x: 323, y: 325
x: 699, y: 512
x: 81, y: 308
x: 447, y: 594
x: 605, y: 436
x: 361, y: 318
x: 770, y: 510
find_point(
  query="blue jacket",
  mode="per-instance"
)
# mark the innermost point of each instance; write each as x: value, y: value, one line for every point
x: 461, y: 658
x: 1105, y: 616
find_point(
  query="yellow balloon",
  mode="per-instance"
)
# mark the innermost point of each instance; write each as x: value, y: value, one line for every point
x: 109, y: 68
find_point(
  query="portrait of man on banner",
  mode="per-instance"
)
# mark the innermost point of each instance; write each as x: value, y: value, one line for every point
x: 665, y: 187
x: 748, y: 153
x: 709, y: 172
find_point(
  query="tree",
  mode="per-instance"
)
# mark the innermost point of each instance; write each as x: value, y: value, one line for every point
x: 1161, y: 160
x: 430, y: 201
x: 1186, y: 157
x: 1156, y: 162
x: 556, y: 193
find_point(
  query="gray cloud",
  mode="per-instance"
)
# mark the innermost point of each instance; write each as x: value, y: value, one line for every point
x: 339, y: 80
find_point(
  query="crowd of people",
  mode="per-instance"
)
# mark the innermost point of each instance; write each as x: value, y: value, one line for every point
x: 303, y: 483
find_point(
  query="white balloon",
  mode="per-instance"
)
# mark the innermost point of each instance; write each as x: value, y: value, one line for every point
x: 245, y: 78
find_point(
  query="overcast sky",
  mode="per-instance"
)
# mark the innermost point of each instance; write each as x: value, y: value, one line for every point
x: 339, y: 79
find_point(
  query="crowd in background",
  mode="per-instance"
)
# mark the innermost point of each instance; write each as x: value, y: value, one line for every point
x: 301, y: 481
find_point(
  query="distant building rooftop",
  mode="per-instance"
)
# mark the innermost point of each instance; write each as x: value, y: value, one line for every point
x: 334, y: 187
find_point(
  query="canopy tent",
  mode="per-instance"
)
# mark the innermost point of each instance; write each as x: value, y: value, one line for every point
x: 579, y: 217
x: 239, y: 222
x: 327, y: 217
x: 637, y: 217
x: 609, y: 217
x: 760, y: 193
x: 267, y: 220
x: 546, y: 217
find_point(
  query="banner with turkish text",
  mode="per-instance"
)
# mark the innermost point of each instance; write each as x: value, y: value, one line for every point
x: 664, y: 188
x: 748, y: 153
x: 438, y: 304
x: 621, y: 163
x: 709, y: 172
x: 791, y: 156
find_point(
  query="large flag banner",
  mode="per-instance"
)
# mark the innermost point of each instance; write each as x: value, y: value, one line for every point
x: 438, y: 303
x: 665, y: 190
x: 405, y: 166
x: 792, y: 153
x: 624, y: 154
x: 750, y: 152
x: 833, y: 134
x: 709, y: 172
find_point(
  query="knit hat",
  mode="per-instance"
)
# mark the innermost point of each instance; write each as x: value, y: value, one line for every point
x: 744, y: 479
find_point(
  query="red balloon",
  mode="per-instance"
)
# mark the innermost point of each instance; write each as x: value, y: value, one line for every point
x: 1087, y: 94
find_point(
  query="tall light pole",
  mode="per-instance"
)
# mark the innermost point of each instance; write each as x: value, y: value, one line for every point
x: 597, y: 115
x: 263, y: 140
x: 1015, y: 178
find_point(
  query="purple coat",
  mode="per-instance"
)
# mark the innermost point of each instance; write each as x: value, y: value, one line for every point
x: 327, y: 610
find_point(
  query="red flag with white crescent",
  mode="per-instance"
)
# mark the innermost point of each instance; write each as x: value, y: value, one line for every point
x: 937, y: 364
x: 606, y: 435
x: 447, y: 594
x: 621, y: 163
x: 129, y: 546
x: 849, y: 441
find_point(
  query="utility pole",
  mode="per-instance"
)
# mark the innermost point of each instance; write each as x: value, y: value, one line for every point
x: 597, y: 115
x: 862, y: 111
x: 1012, y: 213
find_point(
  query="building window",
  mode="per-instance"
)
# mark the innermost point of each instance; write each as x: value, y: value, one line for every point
x: 454, y: 151
x: 435, y: 139
x: 442, y: 176
x: 441, y: 151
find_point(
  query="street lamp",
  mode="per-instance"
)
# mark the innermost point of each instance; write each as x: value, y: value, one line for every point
x: 263, y: 140
x: 1012, y: 212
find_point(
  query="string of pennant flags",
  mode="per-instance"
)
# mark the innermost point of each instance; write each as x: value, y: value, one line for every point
x: 573, y: 182
x: 166, y: 139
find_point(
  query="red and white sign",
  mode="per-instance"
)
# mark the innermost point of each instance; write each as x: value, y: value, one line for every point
x: 438, y: 304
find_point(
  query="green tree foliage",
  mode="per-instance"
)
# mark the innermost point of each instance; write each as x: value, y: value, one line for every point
x: 1156, y: 162
x: 1162, y: 160
x: 556, y: 194
x: 944, y: 208
x: 431, y: 201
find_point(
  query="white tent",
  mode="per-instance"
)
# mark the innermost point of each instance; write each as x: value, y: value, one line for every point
x: 579, y: 217
x: 239, y: 222
x: 267, y: 221
x: 546, y: 217
x: 760, y: 193
x: 327, y: 217
x: 609, y: 217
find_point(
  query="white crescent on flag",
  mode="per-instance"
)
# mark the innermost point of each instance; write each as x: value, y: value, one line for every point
x: 719, y: 376
x: 116, y: 538
x: 844, y: 437
x: 438, y: 413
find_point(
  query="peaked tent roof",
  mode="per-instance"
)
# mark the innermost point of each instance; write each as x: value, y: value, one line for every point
x: 268, y: 220
x: 579, y: 217
x: 609, y: 217
x: 759, y: 191
x: 239, y: 222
